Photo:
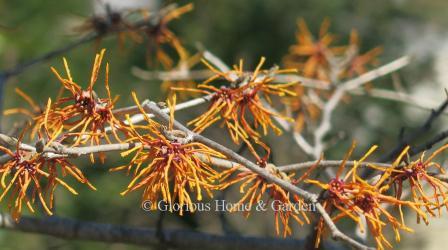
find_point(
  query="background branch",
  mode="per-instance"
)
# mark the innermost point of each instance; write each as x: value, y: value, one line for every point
x: 182, y: 239
x: 411, y: 137
x: 336, y: 97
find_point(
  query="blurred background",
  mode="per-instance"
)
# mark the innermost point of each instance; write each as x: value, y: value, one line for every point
x: 231, y: 29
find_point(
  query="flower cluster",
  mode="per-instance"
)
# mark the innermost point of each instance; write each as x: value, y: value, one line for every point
x: 243, y: 103
x: 258, y: 187
x: 321, y: 59
x: 150, y: 25
x: 415, y: 175
x: 111, y: 21
x: 167, y: 165
x: 77, y: 115
x: 357, y: 199
x: 27, y: 176
x: 160, y: 35
x: 312, y: 57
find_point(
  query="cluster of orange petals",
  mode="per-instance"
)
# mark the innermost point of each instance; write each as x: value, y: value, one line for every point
x: 161, y: 35
x: 167, y: 165
x: 76, y: 117
x: 368, y: 200
x: 313, y: 58
x: 158, y: 35
x: 242, y: 103
x: 28, y: 176
x: 79, y: 113
x: 254, y: 189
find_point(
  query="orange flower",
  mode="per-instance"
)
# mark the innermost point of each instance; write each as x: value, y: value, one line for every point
x: 309, y: 55
x: 160, y: 35
x: 416, y: 175
x: 32, y: 175
x: 81, y: 112
x: 243, y: 99
x: 355, y: 198
x: 168, y: 165
x: 313, y: 58
x: 283, y: 203
x: 241, y: 103
x: 111, y: 21
x: 358, y: 65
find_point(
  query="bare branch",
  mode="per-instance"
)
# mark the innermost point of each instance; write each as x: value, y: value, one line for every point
x: 303, y: 143
x: 424, y: 128
x: 137, y: 118
x: 429, y: 144
x: 216, y: 61
x: 396, y: 96
x: 342, y: 88
x: 181, y: 239
x: 377, y: 73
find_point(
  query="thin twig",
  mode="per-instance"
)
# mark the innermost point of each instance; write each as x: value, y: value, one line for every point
x: 336, y: 97
x: 216, y: 61
x: 16, y: 70
x: 141, y: 117
x: 411, y: 137
x: 396, y: 96
x: 429, y: 144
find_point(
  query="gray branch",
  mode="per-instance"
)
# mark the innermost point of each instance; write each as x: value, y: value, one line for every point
x: 183, y: 239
